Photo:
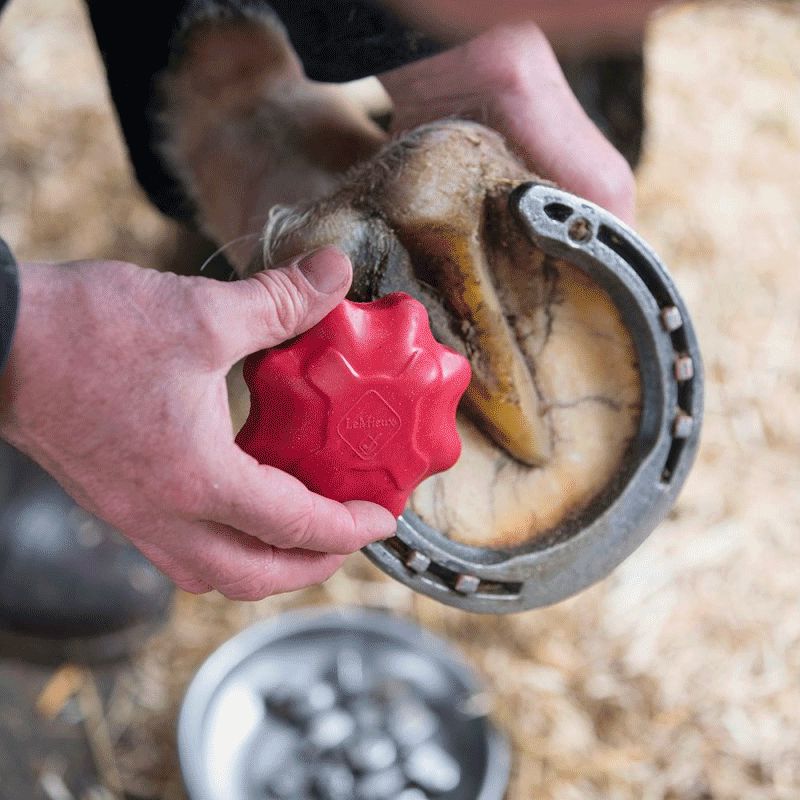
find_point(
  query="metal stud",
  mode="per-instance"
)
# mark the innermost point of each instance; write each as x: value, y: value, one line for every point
x: 671, y: 318
x: 368, y: 713
x: 349, y: 672
x: 417, y: 562
x: 384, y: 785
x: 412, y: 794
x: 334, y: 782
x: 683, y: 425
x: 290, y: 783
x: 580, y: 230
x: 433, y: 769
x: 372, y: 752
x: 331, y: 729
x: 271, y: 753
x: 467, y: 584
x: 317, y: 699
x: 411, y: 723
x: 684, y: 368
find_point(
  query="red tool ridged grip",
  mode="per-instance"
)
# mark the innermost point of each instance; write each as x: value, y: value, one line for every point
x: 360, y: 407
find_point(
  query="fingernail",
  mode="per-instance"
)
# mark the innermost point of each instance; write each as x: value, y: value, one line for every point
x: 326, y: 269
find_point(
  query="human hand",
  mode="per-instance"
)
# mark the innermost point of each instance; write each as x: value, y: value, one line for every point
x: 116, y: 385
x: 509, y: 79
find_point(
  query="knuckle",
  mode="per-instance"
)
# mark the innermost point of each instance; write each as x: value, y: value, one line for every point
x: 298, y: 525
x: 508, y: 74
x: 201, y: 310
x: 254, y: 584
x: 618, y: 190
x: 182, y: 497
x: 286, y: 305
x: 350, y: 536
x: 511, y: 68
x: 202, y: 318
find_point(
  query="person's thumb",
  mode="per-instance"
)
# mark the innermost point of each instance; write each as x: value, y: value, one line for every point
x: 275, y: 305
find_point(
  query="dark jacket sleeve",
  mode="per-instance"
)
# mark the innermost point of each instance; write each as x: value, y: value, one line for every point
x: 341, y: 40
x: 9, y: 292
x: 337, y: 40
x: 9, y: 301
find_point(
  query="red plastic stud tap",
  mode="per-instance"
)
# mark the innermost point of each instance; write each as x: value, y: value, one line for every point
x: 360, y: 407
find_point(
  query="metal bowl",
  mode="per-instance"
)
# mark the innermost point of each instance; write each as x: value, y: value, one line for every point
x: 232, y: 742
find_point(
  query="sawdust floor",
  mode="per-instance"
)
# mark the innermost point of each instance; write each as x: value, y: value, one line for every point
x: 678, y: 676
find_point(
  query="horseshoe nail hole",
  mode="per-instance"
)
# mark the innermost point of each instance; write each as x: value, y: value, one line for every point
x: 558, y: 211
x: 580, y: 230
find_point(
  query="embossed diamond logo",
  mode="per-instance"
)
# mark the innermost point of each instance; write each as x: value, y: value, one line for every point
x: 369, y: 425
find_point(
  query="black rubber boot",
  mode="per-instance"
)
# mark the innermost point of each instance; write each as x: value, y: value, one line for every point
x: 71, y: 587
